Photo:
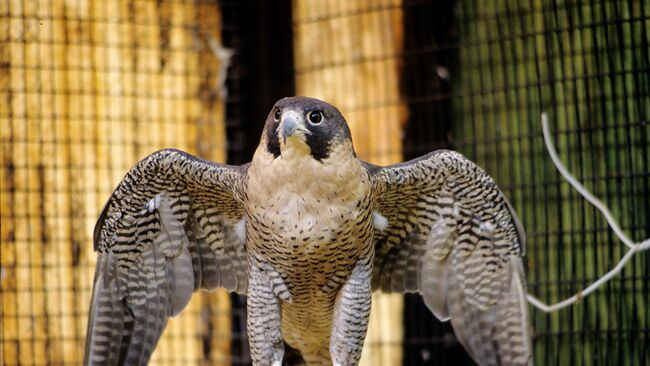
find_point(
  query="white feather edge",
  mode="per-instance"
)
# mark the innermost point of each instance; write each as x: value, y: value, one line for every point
x: 379, y: 221
x: 240, y: 230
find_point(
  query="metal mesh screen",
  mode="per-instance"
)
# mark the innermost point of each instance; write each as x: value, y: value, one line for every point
x: 87, y: 88
x: 489, y: 69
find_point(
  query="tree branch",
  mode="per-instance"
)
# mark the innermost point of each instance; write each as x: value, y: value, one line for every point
x: 633, y: 247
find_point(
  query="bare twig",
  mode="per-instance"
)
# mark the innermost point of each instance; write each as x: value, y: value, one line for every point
x: 633, y: 247
x: 224, y: 55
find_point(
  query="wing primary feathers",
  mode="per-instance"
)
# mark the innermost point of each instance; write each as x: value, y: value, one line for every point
x: 154, y: 253
x: 107, y: 315
x: 453, y: 237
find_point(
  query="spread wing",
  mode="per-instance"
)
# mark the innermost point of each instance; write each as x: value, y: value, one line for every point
x: 173, y: 225
x: 454, y: 238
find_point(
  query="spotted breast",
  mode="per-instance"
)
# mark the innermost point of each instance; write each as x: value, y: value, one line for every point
x: 308, y: 224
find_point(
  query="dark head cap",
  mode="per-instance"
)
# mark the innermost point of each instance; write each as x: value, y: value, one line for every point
x: 316, y: 123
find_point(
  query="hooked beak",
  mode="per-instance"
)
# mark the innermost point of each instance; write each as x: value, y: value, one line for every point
x: 290, y: 125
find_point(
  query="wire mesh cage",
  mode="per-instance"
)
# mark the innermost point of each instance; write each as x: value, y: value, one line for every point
x: 87, y: 88
x: 496, y: 66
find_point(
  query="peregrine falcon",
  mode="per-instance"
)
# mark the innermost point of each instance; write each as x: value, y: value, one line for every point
x: 308, y: 231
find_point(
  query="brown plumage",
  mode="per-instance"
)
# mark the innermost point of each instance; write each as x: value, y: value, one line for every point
x: 307, y: 231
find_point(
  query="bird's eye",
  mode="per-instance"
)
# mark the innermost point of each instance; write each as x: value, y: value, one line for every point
x: 277, y: 114
x: 315, y: 117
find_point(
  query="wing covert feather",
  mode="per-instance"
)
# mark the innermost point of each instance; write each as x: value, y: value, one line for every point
x: 454, y: 238
x: 167, y: 230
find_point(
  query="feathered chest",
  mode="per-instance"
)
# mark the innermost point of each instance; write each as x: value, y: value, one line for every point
x: 306, y: 209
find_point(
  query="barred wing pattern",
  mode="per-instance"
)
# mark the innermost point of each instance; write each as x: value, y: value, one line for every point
x: 453, y: 237
x: 172, y: 226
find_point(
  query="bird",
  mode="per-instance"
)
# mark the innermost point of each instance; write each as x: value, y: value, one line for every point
x: 307, y: 231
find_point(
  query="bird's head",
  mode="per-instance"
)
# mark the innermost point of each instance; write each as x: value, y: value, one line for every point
x: 300, y: 126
